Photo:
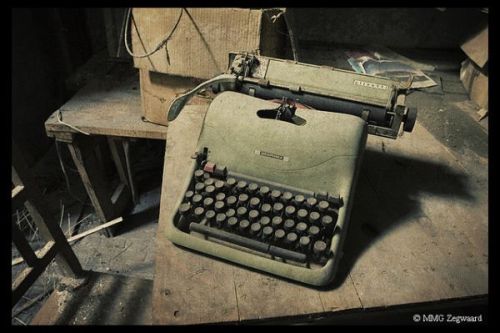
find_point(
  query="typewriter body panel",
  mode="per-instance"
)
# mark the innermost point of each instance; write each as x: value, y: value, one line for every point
x: 321, y: 155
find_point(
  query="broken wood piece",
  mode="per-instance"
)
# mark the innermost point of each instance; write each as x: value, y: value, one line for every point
x: 16, y: 190
x: 482, y: 113
x: 91, y: 231
x: 19, y: 260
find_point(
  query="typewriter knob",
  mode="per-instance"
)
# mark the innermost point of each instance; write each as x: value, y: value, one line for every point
x: 230, y: 212
x: 253, y: 215
x: 409, y: 119
x: 220, y: 196
x: 319, y: 247
x: 265, y: 221
x: 208, y: 202
x: 232, y: 222
x: 255, y: 228
x: 289, y: 224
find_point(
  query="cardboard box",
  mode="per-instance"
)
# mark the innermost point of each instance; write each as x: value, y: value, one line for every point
x: 476, y: 48
x: 158, y: 90
x: 475, y: 82
x: 200, y: 43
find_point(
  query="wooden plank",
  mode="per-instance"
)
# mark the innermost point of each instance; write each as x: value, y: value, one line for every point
x: 91, y: 231
x: 188, y: 288
x: 49, y: 229
x: 425, y: 238
x: 106, y: 106
x: 16, y: 191
x: 27, y: 277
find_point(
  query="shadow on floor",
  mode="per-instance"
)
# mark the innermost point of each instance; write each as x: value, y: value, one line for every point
x: 388, y: 194
x: 104, y: 299
x: 134, y: 221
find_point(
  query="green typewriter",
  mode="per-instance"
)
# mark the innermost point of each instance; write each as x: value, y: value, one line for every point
x: 277, y: 162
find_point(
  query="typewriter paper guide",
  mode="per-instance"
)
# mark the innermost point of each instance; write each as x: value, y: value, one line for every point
x: 320, y: 155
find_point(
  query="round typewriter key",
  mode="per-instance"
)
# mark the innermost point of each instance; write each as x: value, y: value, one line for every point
x: 209, y: 190
x: 253, y: 215
x: 184, y: 208
x: 299, y: 200
x: 219, y: 206
x: 199, y: 187
x: 275, y: 195
x: 314, y: 217
x: 243, y: 225
x: 327, y: 221
x: 291, y: 238
x: 230, y: 182
x: 219, y: 219
x: 252, y: 188
x: 301, y: 214
x: 197, y: 199
x: 232, y: 222
x: 241, y: 212
x: 263, y: 191
x: 319, y: 247
x: 278, y: 208
x: 267, y: 232
x: 277, y: 221
x: 206, y: 176
x: 301, y: 227
x: 208, y: 202
x: 289, y: 224
x: 279, y: 235
x: 265, y: 209
x: 265, y: 221
x: 230, y: 212
x: 199, y: 212
x: 209, y: 215
x: 286, y: 197
x: 220, y: 196
x: 254, y: 203
x: 241, y: 186
x: 189, y: 195
x: 304, y: 242
x: 219, y: 184
x: 209, y: 182
x: 290, y: 211
x: 311, y: 202
x: 231, y: 201
x: 242, y: 199
x: 255, y: 228
x: 323, y: 206
x: 313, y: 231
x: 198, y: 175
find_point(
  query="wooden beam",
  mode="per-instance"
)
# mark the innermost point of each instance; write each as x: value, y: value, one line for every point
x: 91, y: 231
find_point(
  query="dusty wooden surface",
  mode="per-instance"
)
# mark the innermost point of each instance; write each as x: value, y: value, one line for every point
x: 107, y: 106
x: 418, y: 233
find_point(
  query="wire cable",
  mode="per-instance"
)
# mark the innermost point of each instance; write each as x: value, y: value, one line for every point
x: 159, y: 46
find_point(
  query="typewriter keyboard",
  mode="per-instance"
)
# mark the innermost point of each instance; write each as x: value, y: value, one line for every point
x: 259, y: 216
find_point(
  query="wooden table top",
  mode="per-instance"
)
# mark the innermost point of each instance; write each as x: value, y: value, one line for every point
x: 410, y: 240
x: 107, y: 106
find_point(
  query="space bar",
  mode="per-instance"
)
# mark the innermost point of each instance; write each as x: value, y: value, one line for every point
x: 247, y: 242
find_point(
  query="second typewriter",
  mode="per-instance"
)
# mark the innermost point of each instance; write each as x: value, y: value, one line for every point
x: 277, y: 162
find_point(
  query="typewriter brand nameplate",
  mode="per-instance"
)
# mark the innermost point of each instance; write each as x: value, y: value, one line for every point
x: 271, y: 155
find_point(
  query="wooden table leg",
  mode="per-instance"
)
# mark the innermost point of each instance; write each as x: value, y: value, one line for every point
x: 93, y: 179
x: 133, y: 189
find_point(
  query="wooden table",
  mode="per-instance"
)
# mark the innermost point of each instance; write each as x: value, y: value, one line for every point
x: 418, y: 234
x: 109, y: 110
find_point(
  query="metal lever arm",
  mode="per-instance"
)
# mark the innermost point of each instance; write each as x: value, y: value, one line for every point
x: 224, y: 81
